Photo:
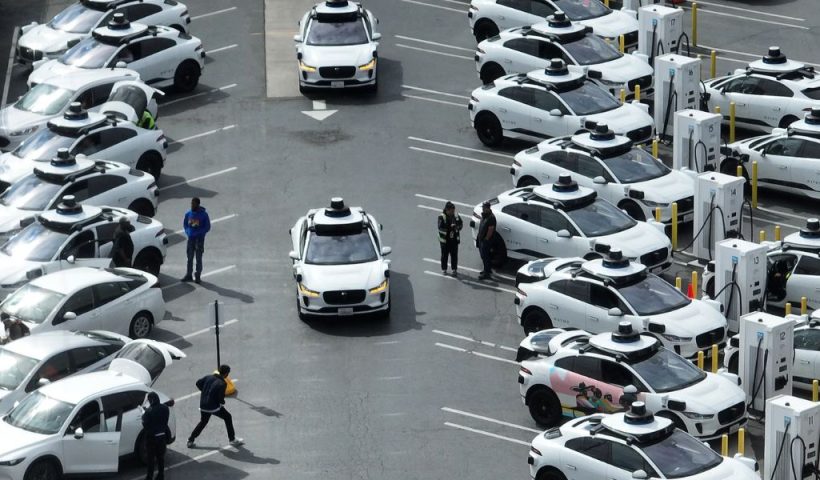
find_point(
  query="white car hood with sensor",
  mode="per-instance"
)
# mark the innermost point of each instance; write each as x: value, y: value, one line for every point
x: 623, y: 69
x: 13, y: 119
x: 636, y: 241
x: 341, y: 56
x: 46, y: 39
x: 623, y: 119
x: 613, y: 24
x: 13, y: 168
x: 13, y: 270
x: 49, y: 69
x: 680, y: 322
x: 10, y: 218
x: 359, y: 276
x: 669, y: 188
x: 710, y: 395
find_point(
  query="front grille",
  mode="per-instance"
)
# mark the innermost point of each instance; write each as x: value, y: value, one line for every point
x: 4, y: 142
x: 641, y: 134
x: 28, y: 54
x: 337, y: 72
x: 729, y: 415
x: 686, y: 204
x: 630, y: 38
x: 344, y: 297
x: 645, y: 82
x: 654, y: 257
x: 710, y: 338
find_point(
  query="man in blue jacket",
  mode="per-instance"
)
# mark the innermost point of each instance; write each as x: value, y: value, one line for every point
x: 212, y: 402
x: 196, y: 224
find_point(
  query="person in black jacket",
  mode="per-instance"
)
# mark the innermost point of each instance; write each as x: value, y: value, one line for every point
x: 155, y: 429
x: 212, y: 402
x: 449, y: 236
x: 123, y: 248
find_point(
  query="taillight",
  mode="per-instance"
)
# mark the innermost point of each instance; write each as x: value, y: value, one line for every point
x: 535, y: 451
x: 472, y: 98
x: 159, y: 233
x: 155, y: 284
x: 527, y: 371
x: 516, y: 163
x: 184, y: 12
x: 479, y: 50
x: 521, y: 292
x: 198, y: 48
x: 153, y: 184
x: 161, y: 137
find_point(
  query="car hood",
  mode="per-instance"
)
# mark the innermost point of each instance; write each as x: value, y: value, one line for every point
x: 729, y: 469
x: 636, y: 241
x: 10, y: 218
x: 13, y: 439
x: 12, y: 119
x: 13, y: 168
x: 711, y: 395
x: 49, y: 69
x: 347, y: 55
x: 47, y: 39
x: 612, y: 25
x: 691, y: 320
x: 667, y: 189
x: 343, y: 277
x: 623, y: 119
x: 13, y: 270
x: 623, y: 69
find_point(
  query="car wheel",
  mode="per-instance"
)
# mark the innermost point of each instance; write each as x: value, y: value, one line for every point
x: 498, y: 252
x: 141, y: 449
x: 733, y: 364
x: 527, y: 181
x: 484, y: 29
x: 633, y: 210
x: 143, y: 207
x: 489, y: 129
x: 544, y: 407
x: 148, y: 261
x: 535, y: 320
x: 550, y: 473
x: 490, y: 72
x: 187, y: 75
x: 43, y: 470
x: 676, y: 421
x: 150, y: 162
x: 787, y: 120
x: 141, y: 325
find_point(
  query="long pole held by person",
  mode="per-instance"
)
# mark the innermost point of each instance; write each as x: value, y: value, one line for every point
x: 230, y: 386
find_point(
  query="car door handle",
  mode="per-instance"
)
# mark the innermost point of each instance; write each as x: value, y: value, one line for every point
x: 506, y: 229
x: 783, y: 167
x: 507, y: 60
x: 594, y: 319
x: 804, y: 362
x: 571, y: 467
x: 537, y: 119
x: 544, y: 240
x: 740, y: 104
x: 110, y: 442
x: 502, y: 110
x: 776, y: 109
x: 552, y: 305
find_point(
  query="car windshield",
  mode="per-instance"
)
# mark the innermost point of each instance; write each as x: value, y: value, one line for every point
x: 39, y: 414
x: 76, y: 19
x: 665, y: 371
x: 44, y: 99
x: 589, y: 99
x: 651, y: 296
x: 340, y: 249
x: 36, y: 243
x: 327, y: 33
x: 14, y: 368
x: 635, y: 166
x: 30, y: 193
x: 89, y: 54
x: 600, y: 218
x: 591, y: 50
x: 31, y: 303
x: 43, y: 145
x: 681, y: 455
x: 582, y: 9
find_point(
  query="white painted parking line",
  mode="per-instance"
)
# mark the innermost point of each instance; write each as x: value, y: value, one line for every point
x: 785, y: 214
x: 415, y: 97
x: 389, y: 378
x: 203, y: 134
x: 221, y: 49
x: 442, y: 200
x: 389, y: 342
x: 204, y: 330
x: 470, y: 269
x: 217, y: 220
x: 487, y: 434
x: 477, y: 354
x: 196, y: 179
x: 459, y: 147
x: 460, y: 157
x: 437, y: 92
x: 438, y: 209
x: 471, y: 282
x: 491, y: 420
x: 210, y: 14
x: 457, y: 10
x: 427, y: 50
x: 192, y: 459
x: 220, y: 89
x: 186, y: 397
x: 473, y: 340
x: 428, y: 42
x: 751, y: 19
x: 9, y: 67
x: 204, y: 275
x: 744, y: 9
x: 771, y: 222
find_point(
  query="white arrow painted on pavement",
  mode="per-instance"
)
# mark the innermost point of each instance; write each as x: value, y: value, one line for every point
x: 320, y: 111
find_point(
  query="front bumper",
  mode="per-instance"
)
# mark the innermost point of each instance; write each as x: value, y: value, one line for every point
x: 372, y: 302
x: 337, y: 77
x: 713, y: 430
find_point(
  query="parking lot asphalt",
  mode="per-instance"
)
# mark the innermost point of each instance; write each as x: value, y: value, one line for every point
x: 431, y: 393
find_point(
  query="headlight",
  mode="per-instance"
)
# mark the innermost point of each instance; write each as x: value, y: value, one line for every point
x: 305, y: 67
x: 650, y: 203
x: 14, y: 286
x: 307, y: 292
x: 24, y: 131
x: 675, y: 338
x: 382, y: 287
x: 369, y: 65
x: 11, y: 463
x: 698, y: 416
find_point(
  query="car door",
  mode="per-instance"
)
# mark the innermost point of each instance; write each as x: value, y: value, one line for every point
x: 84, y: 247
x: 105, y: 238
x: 151, y: 59
x: 87, y: 445
x: 556, y: 163
x: 81, y: 304
x: 597, y: 314
x: 93, y: 97
x: 89, y: 359
x: 513, y: 13
x: 805, y: 281
x: 104, y: 190
x: 585, y: 458
x: 123, y: 414
x: 625, y: 461
x: 518, y: 227
x: 113, y: 312
x: 569, y: 308
x: 590, y: 168
x: 113, y: 144
x: 740, y: 90
x: 520, y: 55
x: 773, y: 101
x: 151, y: 355
x: 806, y: 356
x: 515, y: 109
x: 543, y: 120
x: 51, y: 370
x: 806, y: 171
x: 778, y: 156
x: 552, y: 222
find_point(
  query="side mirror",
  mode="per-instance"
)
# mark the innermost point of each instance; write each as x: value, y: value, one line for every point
x: 43, y: 382
x: 636, y: 194
x: 293, y: 255
x: 763, y: 152
x: 386, y: 251
x: 297, y: 38
x: 376, y: 36
x: 563, y: 233
x: 599, y: 180
x: 69, y: 316
x: 71, y: 259
x: 639, y: 475
x: 676, y: 405
x: 71, y: 43
x: 615, y: 312
x: 78, y: 433
x: 121, y: 64
x: 594, y: 74
x: 556, y: 113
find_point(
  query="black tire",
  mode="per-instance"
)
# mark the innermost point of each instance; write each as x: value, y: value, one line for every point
x: 490, y: 72
x: 498, y: 253
x: 186, y: 78
x: 676, y: 421
x: 150, y: 162
x: 550, y: 473
x: 733, y: 363
x: 489, y: 129
x: 633, y: 210
x: 43, y: 470
x: 141, y: 325
x: 535, y: 320
x: 527, y: 181
x: 787, y: 120
x: 141, y: 449
x: 545, y: 408
x: 484, y: 29
x: 148, y: 261
x: 143, y: 207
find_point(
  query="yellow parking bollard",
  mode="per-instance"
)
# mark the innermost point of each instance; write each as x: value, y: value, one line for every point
x: 713, y: 64
x: 731, y: 122
x: 674, y: 225
x: 717, y: 108
x: 678, y: 283
x: 777, y: 233
x: 803, y: 306
x: 694, y: 284
x: 637, y: 93
x: 657, y: 214
x: 741, y: 440
x: 623, y: 96
x: 606, y: 2
x: 724, y: 445
x: 762, y: 236
x: 694, y: 24
x: 714, y: 358
x: 754, y: 184
x: 814, y: 395
x: 788, y: 308
x: 700, y: 359
x: 739, y: 171
x: 655, y: 147
x: 621, y: 43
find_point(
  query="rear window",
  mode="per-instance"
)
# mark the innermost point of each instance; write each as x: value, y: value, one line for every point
x: 145, y: 355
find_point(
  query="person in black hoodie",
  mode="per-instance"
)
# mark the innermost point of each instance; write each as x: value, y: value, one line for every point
x: 212, y: 402
x: 123, y: 248
x: 155, y: 427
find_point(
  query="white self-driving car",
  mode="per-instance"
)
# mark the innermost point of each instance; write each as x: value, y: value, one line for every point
x: 339, y: 263
x: 787, y: 160
x: 91, y: 134
x: 628, y: 176
x: 630, y: 445
x: 771, y: 92
x: 596, y: 295
x: 75, y: 23
x: 552, y: 102
x: 488, y: 17
x: 76, y: 235
x: 81, y: 425
x: 337, y: 47
x: 565, y: 220
x: 51, y: 98
x: 578, y: 373
x: 163, y: 56
x: 523, y: 49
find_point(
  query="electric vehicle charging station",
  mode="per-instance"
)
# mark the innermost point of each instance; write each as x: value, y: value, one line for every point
x: 721, y: 196
x: 787, y: 419
x: 696, y: 144
x: 677, y: 87
x: 659, y: 30
x: 766, y: 353
x: 741, y: 269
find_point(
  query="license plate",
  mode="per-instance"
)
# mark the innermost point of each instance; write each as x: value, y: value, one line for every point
x: 656, y: 269
x: 346, y: 311
x: 339, y: 84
